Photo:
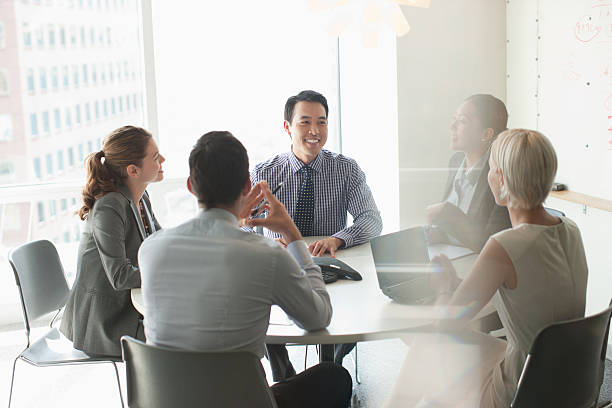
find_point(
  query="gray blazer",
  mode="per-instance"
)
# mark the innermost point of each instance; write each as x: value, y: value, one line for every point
x: 486, y: 217
x: 99, y: 309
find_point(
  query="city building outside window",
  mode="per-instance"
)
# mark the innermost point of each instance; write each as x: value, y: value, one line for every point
x: 2, y: 36
x: 27, y: 35
x: 51, y: 36
x: 43, y: 79
x: 4, y: 85
x: 45, y: 122
x: 58, y: 119
x: 33, y: 125
x: 37, y: 168
x: 41, y: 211
x: 60, y: 160
x: 6, y: 127
x: 30, y: 80
x: 49, y: 161
x: 54, y: 78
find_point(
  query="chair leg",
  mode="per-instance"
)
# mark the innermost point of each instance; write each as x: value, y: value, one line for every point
x: 357, y: 379
x: 12, y: 379
x: 118, y: 384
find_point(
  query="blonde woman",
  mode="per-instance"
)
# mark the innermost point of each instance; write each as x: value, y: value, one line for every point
x: 535, y: 273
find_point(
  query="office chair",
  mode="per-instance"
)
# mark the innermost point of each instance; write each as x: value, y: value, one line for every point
x: 43, y: 289
x: 565, y: 366
x: 162, y: 377
x: 554, y: 212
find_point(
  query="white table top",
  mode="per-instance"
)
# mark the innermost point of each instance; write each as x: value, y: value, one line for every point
x: 361, y: 311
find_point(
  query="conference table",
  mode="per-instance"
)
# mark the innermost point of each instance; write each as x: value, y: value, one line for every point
x: 361, y: 312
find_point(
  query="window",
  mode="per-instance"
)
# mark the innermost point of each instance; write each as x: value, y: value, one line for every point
x: 45, y: 120
x: 81, y: 153
x: 83, y: 37
x: 112, y: 106
x: 73, y: 36
x: 135, y: 102
x: 66, y: 237
x: 103, y: 73
x: 105, y: 108
x: 89, y: 146
x: 49, y: 160
x: 58, y: 119
x: 126, y: 70
x: 120, y: 99
x: 108, y: 36
x: 64, y: 205
x: 43, y: 79
x: 4, y: 86
x: 6, y: 127
x: 127, y: 103
x: 94, y: 75
x: 99, y: 144
x: 92, y: 36
x: 62, y: 36
x: 60, y: 160
x: 87, y: 113
x: 51, y: 36
x: 68, y: 118
x: 30, y: 80
x: 77, y: 115
x: 75, y: 76
x: 118, y: 71
x: 40, y: 41
x: 41, y: 211
x: 85, y: 76
x: 37, y: 171
x: 54, y: 78
x: 27, y: 36
x: 33, y: 125
x: 70, y: 156
x: 97, y: 110
x: 111, y: 73
x: 2, y: 36
x: 65, y: 77
x: 7, y: 169
x: 52, y: 209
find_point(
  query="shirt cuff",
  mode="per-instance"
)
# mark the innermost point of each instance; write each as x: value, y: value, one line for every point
x: 299, y: 250
x: 344, y: 236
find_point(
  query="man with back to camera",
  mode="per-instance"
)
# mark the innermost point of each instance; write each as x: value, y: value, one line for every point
x: 319, y: 188
x: 209, y: 286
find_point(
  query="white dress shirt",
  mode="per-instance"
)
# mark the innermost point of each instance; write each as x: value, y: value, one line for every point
x: 209, y: 286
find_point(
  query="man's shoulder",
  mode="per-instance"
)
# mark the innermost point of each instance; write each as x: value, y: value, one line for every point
x: 280, y: 160
x: 338, y: 162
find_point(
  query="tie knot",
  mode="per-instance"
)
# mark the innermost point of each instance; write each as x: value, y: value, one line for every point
x: 306, y: 171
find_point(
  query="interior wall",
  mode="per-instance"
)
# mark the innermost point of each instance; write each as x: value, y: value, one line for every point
x: 453, y: 50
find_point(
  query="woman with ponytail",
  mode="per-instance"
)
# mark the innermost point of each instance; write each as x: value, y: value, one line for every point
x: 118, y: 217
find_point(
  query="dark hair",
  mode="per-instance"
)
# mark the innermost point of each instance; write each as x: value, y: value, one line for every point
x: 304, y: 96
x: 124, y: 146
x: 491, y: 112
x: 218, y: 168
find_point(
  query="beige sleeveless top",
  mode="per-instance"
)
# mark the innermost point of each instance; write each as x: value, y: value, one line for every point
x: 552, y: 276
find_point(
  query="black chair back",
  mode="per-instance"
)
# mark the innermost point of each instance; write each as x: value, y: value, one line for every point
x: 565, y: 366
x: 161, y: 377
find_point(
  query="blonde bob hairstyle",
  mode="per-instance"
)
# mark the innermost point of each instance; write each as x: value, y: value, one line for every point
x: 528, y: 164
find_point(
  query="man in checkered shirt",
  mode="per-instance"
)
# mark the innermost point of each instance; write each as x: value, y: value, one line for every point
x: 339, y: 187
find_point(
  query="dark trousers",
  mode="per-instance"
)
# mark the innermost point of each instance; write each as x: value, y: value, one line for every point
x: 282, y: 367
x: 324, y: 385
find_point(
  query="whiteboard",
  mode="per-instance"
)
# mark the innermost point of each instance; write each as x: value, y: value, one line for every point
x: 573, y: 84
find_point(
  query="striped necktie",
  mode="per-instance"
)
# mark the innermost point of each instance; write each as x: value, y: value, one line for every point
x: 304, y: 210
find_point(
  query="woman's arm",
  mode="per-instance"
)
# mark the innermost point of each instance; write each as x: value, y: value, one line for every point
x: 492, y: 269
x: 109, y: 231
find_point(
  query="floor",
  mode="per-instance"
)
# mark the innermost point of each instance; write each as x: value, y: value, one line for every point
x: 95, y: 385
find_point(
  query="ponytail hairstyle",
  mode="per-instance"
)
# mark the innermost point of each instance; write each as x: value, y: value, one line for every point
x: 107, y: 168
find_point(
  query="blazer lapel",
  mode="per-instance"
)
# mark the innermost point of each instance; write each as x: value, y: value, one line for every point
x: 135, y: 212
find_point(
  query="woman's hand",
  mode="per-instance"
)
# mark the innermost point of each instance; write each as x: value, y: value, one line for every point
x: 444, y: 279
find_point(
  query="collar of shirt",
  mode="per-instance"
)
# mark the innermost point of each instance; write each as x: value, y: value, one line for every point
x: 471, y: 175
x: 218, y: 214
x: 296, y: 164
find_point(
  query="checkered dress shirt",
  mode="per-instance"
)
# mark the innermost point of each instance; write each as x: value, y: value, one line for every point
x: 339, y: 187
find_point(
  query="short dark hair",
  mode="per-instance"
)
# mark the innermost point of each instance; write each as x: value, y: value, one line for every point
x: 304, y: 96
x: 491, y: 112
x: 218, y: 168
